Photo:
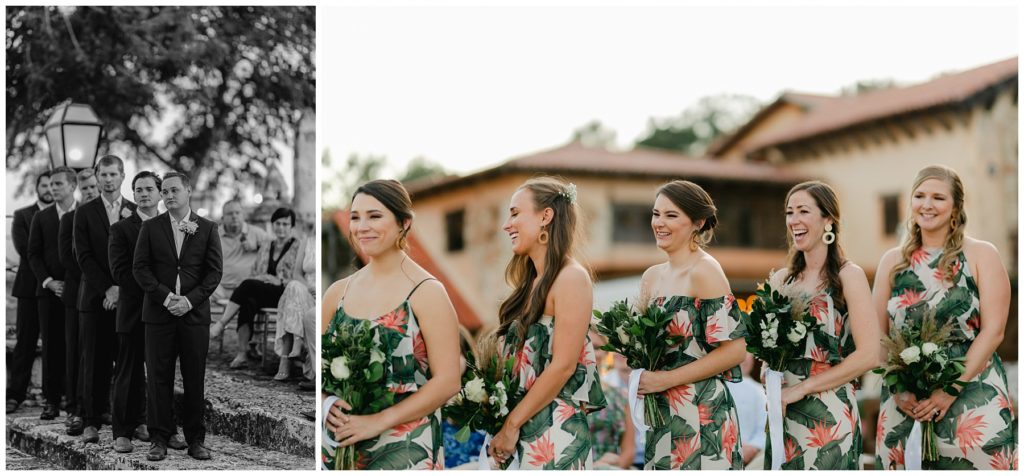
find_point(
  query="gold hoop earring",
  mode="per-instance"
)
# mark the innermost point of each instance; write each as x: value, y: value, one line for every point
x: 952, y: 223
x: 828, y: 237
x: 543, y: 237
x: 693, y: 242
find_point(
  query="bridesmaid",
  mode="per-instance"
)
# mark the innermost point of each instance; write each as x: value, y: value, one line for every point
x: 702, y: 427
x: 405, y: 301
x: 544, y: 325
x: 821, y: 428
x: 965, y: 279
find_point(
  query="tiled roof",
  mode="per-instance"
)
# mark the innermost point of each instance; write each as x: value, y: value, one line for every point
x: 825, y: 114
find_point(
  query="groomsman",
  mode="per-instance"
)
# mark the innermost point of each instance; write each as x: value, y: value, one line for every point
x: 24, y: 289
x: 178, y: 264
x: 44, y: 259
x: 89, y: 190
x: 130, y: 380
x: 97, y: 294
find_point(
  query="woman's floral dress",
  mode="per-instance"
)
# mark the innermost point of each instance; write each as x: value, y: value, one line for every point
x: 822, y: 430
x: 412, y: 445
x: 558, y: 436
x: 702, y: 427
x: 608, y: 424
x: 979, y: 431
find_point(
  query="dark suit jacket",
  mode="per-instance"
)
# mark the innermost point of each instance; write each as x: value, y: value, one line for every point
x: 24, y: 281
x: 66, y: 251
x: 157, y: 265
x: 91, y: 238
x: 123, y: 236
x: 43, y: 251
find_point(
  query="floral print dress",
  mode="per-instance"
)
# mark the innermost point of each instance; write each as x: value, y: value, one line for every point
x: 412, y: 445
x: 558, y: 436
x: 607, y: 424
x: 979, y: 431
x: 822, y: 430
x: 702, y: 428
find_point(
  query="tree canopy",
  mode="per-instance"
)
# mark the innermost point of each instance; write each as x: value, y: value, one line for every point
x: 696, y: 127
x: 211, y: 89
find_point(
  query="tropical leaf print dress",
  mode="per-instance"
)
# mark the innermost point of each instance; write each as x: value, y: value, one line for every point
x: 558, y: 436
x: 412, y: 445
x: 702, y: 427
x: 822, y: 430
x: 979, y: 431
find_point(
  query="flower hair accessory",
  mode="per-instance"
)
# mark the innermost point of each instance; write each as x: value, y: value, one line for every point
x: 125, y: 213
x: 569, y: 192
x: 188, y: 227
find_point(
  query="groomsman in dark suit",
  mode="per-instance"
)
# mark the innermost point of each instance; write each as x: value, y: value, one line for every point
x: 98, y: 294
x: 24, y: 289
x: 178, y: 264
x: 89, y: 190
x: 130, y: 379
x: 44, y: 259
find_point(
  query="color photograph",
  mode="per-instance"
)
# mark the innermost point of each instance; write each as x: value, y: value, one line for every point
x: 669, y: 237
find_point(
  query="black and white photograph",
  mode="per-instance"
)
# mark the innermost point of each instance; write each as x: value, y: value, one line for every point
x: 161, y: 260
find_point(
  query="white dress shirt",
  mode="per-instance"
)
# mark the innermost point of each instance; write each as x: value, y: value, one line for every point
x: 179, y: 239
x: 113, y: 209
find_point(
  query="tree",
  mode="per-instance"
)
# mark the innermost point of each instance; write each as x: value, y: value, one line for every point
x: 340, y: 180
x: 198, y: 89
x: 420, y: 167
x: 594, y: 134
x: 697, y: 126
x: 867, y: 85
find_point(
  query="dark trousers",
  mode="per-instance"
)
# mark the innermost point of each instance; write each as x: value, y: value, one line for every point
x: 71, y: 361
x: 27, y: 329
x: 251, y: 296
x: 165, y: 344
x: 51, y: 326
x: 98, y: 348
x: 130, y: 382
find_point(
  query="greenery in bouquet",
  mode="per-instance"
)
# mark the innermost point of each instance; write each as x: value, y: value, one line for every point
x: 355, y: 366
x: 640, y: 333
x: 918, y: 362
x: 779, y: 323
x: 490, y: 389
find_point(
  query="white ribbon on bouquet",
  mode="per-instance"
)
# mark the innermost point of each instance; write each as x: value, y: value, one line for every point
x: 636, y: 406
x: 486, y: 460
x: 912, y: 453
x: 324, y: 433
x: 773, y: 386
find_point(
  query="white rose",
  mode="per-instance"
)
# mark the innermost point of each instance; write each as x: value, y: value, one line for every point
x: 770, y: 344
x: 911, y: 354
x: 770, y: 316
x: 929, y: 348
x: 475, y: 391
x: 376, y: 356
x: 339, y: 368
x: 623, y: 336
x: 797, y: 332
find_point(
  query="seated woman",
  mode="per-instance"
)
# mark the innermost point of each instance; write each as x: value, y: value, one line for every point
x: 274, y: 267
x: 296, y: 312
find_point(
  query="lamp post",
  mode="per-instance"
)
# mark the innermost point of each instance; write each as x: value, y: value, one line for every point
x: 73, y: 134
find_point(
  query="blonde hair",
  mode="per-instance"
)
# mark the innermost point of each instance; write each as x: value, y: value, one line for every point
x: 954, y: 240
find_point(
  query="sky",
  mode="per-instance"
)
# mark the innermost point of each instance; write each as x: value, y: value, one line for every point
x: 471, y: 87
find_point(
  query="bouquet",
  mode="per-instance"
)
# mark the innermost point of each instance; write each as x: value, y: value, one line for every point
x: 489, y: 389
x: 918, y: 362
x: 354, y: 370
x: 640, y: 333
x: 777, y: 328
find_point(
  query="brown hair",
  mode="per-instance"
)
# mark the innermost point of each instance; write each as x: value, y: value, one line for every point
x: 827, y: 201
x: 395, y: 198
x: 696, y: 204
x: 523, y: 308
x: 954, y: 240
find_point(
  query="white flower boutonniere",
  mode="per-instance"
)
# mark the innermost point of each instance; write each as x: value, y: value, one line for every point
x: 125, y: 213
x: 188, y: 227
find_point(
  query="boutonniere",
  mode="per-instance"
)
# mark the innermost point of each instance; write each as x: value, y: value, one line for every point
x: 188, y: 227
x: 126, y: 212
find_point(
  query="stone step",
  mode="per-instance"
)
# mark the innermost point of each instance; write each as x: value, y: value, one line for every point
x: 260, y: 413
x: 18, y: 461
x: 46, y: 440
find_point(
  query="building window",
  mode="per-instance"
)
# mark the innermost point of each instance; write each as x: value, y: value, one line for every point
x: 891, y: 214
x: 455, y: 225
x: 631, y: 223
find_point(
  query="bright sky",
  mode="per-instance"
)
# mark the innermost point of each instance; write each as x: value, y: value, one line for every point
x: 470, y: 87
